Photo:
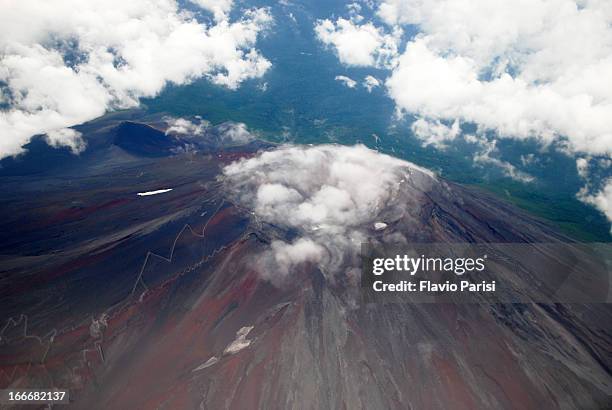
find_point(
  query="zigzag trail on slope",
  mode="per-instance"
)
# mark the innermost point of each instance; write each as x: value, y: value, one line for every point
x: 96, y: 346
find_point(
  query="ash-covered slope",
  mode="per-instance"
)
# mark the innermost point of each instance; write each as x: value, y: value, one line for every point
x: 241, y: 289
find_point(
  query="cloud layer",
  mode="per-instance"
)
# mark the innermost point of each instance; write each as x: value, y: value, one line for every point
x: 331, y: 196
x: 66, y: 62
x: 359, y: 44
x: 536, y: 68
x: 525, y: 69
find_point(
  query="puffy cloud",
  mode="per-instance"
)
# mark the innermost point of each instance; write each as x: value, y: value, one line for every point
x: 399, y: 12
x: 184, y: 126
x: 330, y: 195
x: 235, y: 133
x: 582, y: 166
x: 450, y: 88
x: 227, y: 133
x: 67, y: 137
x: 370, y: 82
x: 282, y: 258
x: 359, y: 44
x: 596, y: 192
x: 347, y: 81
x: 69, y: 61
x: 602, y: 200
x: 532, y: 68
x: 538, y: 68
x: 434, y: 132
x: 525, y: 69
x: 219, y: 8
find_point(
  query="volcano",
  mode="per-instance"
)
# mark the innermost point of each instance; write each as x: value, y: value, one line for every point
x: 240, y: 287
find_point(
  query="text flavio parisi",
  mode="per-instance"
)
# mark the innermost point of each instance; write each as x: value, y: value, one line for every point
x: 413, y: 265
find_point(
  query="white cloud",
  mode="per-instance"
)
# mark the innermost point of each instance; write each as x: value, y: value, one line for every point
x: 235, y: 133
x: 434, y: 132
x: 219, y: 8
x: 66, y: 137
x: 449, y: 88
x: 283, y: 258
x: 329, y: 195
x: 370, y: 82
x: 596, y: 193
x: 602, y: 200
x: 347, y: 81
x: 359, y: 44
x: 524, y: 69
x: 486, y: 157
x: 536, y: 68
x: 184, y: 126
x: 529, y: 69
x: 399, y: 12
x: 354, y: 9
x: 67, y: 62
x: 582, y: 166
x: 228, y: 132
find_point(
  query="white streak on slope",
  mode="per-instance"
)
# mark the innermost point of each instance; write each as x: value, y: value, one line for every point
x: 159, y: 191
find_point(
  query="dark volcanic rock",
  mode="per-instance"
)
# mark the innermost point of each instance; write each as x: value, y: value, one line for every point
x: 143, y: 140
x: 157, y: 302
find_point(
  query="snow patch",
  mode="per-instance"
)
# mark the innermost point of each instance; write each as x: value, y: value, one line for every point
x: 241, y: 341
x: 159, y: 191
x: 379, y: 226
x: 213, y: 360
